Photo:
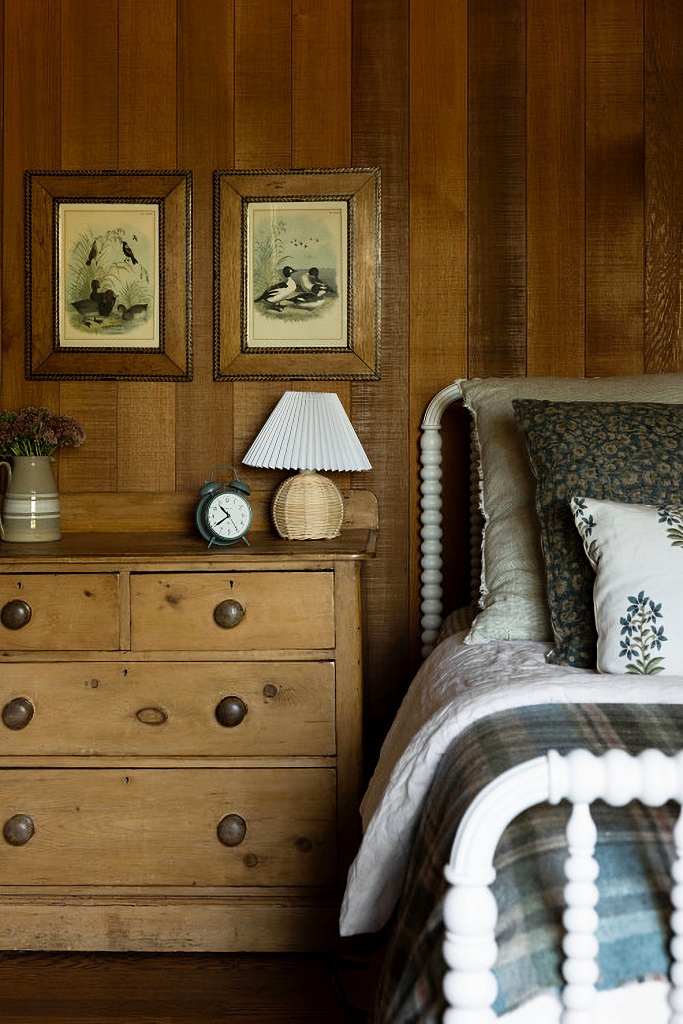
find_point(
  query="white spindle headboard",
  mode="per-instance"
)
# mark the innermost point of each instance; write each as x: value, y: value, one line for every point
x: 431, y: 531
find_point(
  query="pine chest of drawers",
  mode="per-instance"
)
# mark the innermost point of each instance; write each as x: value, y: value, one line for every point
x: 180, y: 744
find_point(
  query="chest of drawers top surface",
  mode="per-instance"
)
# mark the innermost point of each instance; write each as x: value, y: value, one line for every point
x: 97, y: 551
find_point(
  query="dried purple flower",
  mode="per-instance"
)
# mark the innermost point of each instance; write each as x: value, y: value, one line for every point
x: 37, y: 431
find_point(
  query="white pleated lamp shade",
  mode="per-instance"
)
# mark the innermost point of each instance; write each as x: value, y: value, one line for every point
x: 308, y: 431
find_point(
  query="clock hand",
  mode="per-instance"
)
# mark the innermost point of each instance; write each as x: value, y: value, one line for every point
x: 226, y: 516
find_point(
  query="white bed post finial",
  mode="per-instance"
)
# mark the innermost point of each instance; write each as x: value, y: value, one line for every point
x: 431, y: 578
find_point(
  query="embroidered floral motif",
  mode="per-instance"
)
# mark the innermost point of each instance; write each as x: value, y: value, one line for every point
x: 642, y: 636
x: 585, y: 524
x: 672, y: 515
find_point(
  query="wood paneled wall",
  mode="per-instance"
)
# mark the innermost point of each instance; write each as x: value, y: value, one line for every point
x: 532, y: 211
x: 546, y: 201
x: 200, y: 85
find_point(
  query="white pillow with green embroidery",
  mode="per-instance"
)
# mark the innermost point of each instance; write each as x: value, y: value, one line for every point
x: 637, y: 554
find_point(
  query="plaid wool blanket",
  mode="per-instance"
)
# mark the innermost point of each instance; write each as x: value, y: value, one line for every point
x: 634, y: 853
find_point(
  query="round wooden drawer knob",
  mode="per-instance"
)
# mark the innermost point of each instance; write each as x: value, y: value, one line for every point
x: 228, y: 614
x: 18, y: 829
x: 231, y: 830
x: 231, y: 711
x: 17, y: 713
x: 15, y: 614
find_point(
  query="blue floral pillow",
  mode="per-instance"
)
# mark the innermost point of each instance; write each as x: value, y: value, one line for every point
x: 623, y: 452
x: 637, y: 554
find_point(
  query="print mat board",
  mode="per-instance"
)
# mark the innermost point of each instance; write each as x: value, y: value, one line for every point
x: 296, y: 274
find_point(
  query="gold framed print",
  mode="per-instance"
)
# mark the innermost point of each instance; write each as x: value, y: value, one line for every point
x: 108, y: 275
x: 297, y: 274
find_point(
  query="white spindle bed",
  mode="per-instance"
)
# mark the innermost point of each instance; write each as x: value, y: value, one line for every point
x: 470, y: 909
x: 461, y: 687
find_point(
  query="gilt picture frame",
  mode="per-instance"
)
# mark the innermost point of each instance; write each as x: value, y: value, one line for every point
x: 108, y: 275
x: 297, y: 261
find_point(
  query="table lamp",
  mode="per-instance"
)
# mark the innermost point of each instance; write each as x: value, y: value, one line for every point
x: 308, y: 431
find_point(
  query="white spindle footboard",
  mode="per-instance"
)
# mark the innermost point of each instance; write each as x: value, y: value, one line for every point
x: 470, y: 911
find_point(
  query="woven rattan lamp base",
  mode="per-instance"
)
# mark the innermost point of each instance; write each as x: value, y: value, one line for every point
x: 308, y: 506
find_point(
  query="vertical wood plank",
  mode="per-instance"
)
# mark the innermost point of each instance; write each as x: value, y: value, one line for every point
x: 147, y: 86
x: 664, y: 199
x: 147, y: 65
x: 438, y: 350
x: 497, y: 188
x: 263, y: 83
x: 263, y: 138
x: 89, y: 113
x: 321, y: 83
x: 614, y: 187
x: 32, y: 85
x: 92, y: 467
x: 380, y: 410
x: 205, y: 143
x: 89, y: 140
x: 438, y: 197
x: 555, y: 187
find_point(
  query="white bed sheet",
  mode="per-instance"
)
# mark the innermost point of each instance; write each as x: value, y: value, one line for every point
x: 456, y: 686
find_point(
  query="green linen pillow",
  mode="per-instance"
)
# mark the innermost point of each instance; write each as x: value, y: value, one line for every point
x: 616, y: 451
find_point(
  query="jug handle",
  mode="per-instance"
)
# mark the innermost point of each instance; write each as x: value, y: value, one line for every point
x: 3, y: 462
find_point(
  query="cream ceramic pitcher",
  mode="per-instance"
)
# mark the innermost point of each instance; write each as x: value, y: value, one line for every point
x: 31, y: 509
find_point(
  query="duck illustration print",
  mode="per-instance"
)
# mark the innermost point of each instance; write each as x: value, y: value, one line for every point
x: 296, y: 274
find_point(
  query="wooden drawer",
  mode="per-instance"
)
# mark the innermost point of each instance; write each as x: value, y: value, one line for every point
x: 60, y: 612
x: 170, y: 708
x: 281, y: 611
x: 160, y: 827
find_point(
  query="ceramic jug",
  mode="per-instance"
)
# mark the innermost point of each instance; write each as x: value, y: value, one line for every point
x: 31, y: 509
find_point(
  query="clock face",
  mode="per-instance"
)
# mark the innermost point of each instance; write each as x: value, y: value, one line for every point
x: 228, y: 515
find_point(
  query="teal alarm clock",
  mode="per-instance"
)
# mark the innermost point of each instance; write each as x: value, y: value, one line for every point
x: 223, y: 514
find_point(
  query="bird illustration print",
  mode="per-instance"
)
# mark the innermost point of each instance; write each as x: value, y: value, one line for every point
x: 275, y: 294
x: 312, y: 299
x: 110, y: 280
x: 128, y: 252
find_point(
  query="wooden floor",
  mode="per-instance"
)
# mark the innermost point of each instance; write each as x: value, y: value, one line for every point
x: 142, y: 988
